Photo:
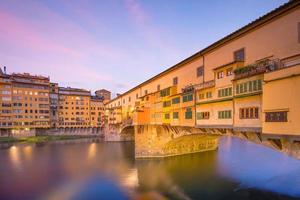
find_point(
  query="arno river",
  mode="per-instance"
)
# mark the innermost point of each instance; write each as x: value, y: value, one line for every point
x: 92, y: 169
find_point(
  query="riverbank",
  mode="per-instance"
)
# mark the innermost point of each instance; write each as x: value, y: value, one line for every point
x: 48, y: 138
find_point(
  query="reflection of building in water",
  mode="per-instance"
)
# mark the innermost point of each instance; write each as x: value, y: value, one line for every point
x: 14, y: 156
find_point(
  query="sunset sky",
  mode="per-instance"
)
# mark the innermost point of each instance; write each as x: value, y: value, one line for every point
x: 114, y: 44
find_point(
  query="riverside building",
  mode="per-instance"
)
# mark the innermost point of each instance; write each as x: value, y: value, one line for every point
x: 31, y: 105
x: 24, y: 103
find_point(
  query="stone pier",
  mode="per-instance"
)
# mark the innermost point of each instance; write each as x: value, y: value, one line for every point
x: 163, y: 141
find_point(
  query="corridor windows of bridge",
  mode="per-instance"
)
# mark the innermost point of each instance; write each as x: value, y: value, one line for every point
x: 239, y: 55
x: 176, y: 100
x: 175, y: 81
x: 220, y: 74
x: 225, y: 92
x: 225, y: 114
x: 202, y: 115
x: 187, y: 97
x: 200, y: 71
x: 175, y: 115
x: 280, y: 116
x: 249, y: 113
x: 188, y: 113
x: 229, y: 71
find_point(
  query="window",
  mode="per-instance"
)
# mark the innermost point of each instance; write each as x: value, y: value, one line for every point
x: 129, y: 99
x: 175, y: 115
x: 276, y: 116
x: 225, y: 114
x: 250, y: 86
x: 175, y: 80
x: 229, y: 72
x: 167, y: 116
x: 137, y: 95
x: 225, y: 92
x: 166, y: 103
x: 176, y: 100
x: 187, y: 97
x: 202, y: 115
x: 188, y: 113
x: 201, y: 96
x: 249, y: 113
x: 200, y: 71
x: 165, y: 92
x: 239, y: 55
x: 220, y: 74
x: 208, y: 95
x: 146, y: 92
x: 158, y: 87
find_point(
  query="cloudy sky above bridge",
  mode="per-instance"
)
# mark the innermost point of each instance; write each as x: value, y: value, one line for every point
x: 114, y: 44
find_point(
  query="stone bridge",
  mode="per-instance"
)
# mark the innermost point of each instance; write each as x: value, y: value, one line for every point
x: 166, y: 140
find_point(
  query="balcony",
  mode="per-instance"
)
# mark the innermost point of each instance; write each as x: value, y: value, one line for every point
x: 257, y: 68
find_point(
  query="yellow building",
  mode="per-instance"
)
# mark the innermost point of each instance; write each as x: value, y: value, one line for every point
x: 74, y: 108
x: 247, y: 81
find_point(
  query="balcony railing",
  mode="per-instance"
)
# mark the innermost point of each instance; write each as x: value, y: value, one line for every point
x: 258, y: 68
x: 204, y: 85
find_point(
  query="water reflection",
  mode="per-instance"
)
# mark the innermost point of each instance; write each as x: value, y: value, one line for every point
x: 255, y: 166
x: 14, y: 157
x: 91, y: 169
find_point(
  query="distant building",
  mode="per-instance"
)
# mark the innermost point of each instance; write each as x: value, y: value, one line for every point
x: 104, y: 94
x: 97, y: 112
x: 74, y: 108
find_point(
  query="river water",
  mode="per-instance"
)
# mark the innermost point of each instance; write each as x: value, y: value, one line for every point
x: 92, y: 169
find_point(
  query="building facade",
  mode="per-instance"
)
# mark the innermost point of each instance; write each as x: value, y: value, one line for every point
x: 24, y: 103
x: 30, y: 104
x: 74, y: 108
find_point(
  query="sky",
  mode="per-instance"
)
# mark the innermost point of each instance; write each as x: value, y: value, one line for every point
x: 114, y: 44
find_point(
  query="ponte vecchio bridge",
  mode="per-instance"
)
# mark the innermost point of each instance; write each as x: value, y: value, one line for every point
x: 246, y: 84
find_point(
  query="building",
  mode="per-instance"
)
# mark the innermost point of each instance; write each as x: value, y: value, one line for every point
x: 97, y: 112
x: 74, y: 108
x: 249, y: 81
x: 105, y: 95
x: 24, y: 103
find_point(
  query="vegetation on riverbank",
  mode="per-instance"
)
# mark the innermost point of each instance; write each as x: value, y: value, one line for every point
x: 36, y: 139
